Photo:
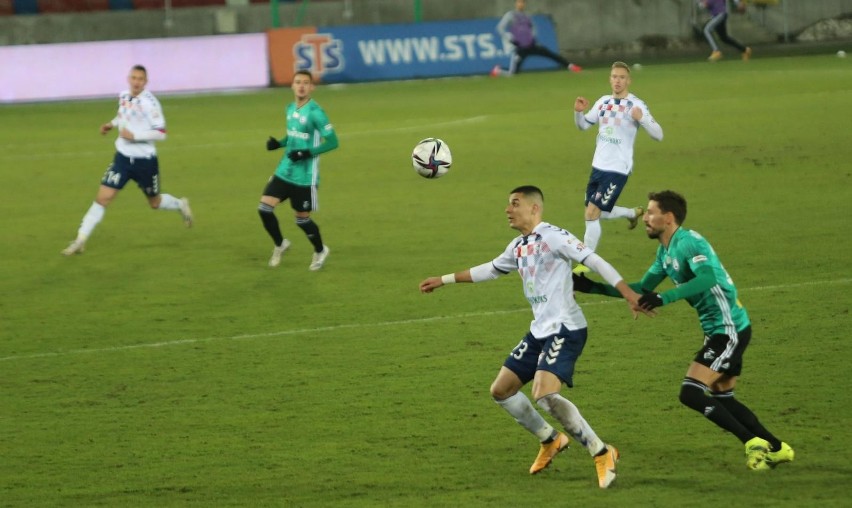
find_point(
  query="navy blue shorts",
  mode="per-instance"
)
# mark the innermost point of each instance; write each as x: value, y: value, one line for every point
x: 556, y: 354
x: 145, y: 172
x: 604, y: 187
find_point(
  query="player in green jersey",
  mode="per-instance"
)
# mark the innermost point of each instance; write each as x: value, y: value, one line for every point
x: 690, y: 262
x: 309, y: 134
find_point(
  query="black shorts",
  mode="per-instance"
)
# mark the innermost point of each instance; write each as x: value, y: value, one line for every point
x: 724, y: 353
x: 302, y: 199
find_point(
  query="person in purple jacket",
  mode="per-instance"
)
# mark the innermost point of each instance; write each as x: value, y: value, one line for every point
x: 518, y: 29
x: 719, y: 23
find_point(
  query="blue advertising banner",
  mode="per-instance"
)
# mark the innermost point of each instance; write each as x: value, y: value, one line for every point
x: 421, y: 50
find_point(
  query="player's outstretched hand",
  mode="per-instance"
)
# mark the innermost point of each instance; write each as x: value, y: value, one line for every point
x: 299, y: 155
x: 106, y: 127
x: 581, y: 283
x: 633, y: 300
x: 580, y: 104
x: 431, y: 284
x: 650, y: 301
x: 272, y: 144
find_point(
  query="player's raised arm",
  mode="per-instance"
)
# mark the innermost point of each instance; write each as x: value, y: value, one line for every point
x: 581, y: 104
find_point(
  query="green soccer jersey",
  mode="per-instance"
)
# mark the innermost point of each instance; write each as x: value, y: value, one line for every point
x: 307, y: 128
x: 718, y: 307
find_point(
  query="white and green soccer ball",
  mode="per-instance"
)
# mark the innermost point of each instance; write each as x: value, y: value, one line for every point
x: 431, y: 158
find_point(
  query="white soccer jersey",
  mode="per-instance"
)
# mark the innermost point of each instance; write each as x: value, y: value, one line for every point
x: 617, y: 131
x: 543, y: 260
x: 140, y: 115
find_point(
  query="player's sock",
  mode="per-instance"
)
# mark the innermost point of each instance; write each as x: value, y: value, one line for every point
x: 745, y: 416
x: 312, y: 231
x: 693, y: 394
x: 593, y: 234
x: 569, y: 416
x: 168, y: 202
x: 619, y: 212
x: 90, y: 220
x: 522, y: 410
x: 270, y: 222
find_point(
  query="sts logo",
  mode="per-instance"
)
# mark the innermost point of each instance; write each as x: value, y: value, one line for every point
x: 319, y: 53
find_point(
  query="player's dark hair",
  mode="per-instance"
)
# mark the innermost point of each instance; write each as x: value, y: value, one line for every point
x: 304, y: 72
x: 670, y: 201
x: 529, y: 190
x: 138, y: 67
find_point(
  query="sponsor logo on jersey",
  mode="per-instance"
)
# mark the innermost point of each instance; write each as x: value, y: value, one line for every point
x: 606, y: 135
x: 296, y: 134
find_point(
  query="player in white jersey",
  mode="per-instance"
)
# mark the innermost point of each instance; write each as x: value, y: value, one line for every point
x: 618, y: 116
x: 546, y: 355
x: 140, y: 123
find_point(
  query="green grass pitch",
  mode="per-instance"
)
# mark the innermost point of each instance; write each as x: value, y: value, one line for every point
x: 172, y: 367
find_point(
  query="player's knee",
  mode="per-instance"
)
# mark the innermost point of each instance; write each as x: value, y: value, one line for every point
x: 497, y: 394
x: 692, y: 394
x: 545, y: 402
x: 263, y: 208
x: 501, y: 392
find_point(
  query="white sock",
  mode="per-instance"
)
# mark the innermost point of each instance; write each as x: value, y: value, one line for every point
x: 168, y: 202
x: 520, y: 407
x: 619, y: 212
x: 90, y: 220
x: 593, y: 234
x: 569, y: 416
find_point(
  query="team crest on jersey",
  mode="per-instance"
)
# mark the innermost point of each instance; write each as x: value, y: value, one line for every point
x: 668, y: 261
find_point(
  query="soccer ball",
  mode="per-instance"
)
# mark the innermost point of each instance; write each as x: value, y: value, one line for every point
x: 431, y: 158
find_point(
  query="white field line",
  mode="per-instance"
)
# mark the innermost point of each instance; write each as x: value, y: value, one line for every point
x: 359, y: 325
x: 39, y: 151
